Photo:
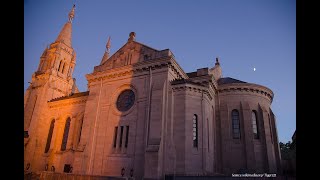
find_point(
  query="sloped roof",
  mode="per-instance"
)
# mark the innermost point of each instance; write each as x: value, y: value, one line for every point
x: 229, y: 80
x: 65, y: 34
x: 74, y: 95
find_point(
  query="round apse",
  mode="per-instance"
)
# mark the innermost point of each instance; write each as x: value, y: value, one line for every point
x: 125, y: 100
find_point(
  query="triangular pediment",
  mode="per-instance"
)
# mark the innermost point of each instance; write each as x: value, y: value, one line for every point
x: 130, y: 53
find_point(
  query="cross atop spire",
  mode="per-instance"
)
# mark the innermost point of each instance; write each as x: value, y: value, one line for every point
x: 65, y: 33
x: 71, y: 13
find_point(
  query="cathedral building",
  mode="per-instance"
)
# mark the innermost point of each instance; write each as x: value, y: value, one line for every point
x: 143, y: 116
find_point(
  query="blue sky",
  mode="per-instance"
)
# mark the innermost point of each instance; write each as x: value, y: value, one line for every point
x: 245, y: 34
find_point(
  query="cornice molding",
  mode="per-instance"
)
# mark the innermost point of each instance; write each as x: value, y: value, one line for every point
x: 131, y: 70
x: 193, y: 88
x: 68, y: 102
x: 246, y: 88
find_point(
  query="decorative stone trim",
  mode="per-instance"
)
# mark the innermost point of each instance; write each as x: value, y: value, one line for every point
x: 59, y: 90
x: 67, y: 103
x: 134, y: 69
x: 98, y: 76
x: 249, y: 88
x: 188, y: 87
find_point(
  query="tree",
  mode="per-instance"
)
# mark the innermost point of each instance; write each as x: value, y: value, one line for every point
x: 288, y: 154
x: 286, y: 151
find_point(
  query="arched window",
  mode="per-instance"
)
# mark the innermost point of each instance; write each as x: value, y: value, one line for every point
x: 255, y: 125
x: 235, y: 124
x: 49, y: 136
x: 65, y: 135
x: 195, y: 130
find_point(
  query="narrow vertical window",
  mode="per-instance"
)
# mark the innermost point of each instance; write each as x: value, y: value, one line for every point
x: 270, y: 125
x: 255, y: 125
x: 235, y: 124
x: 49, y: 136
x: 81, y: 123
x: 121, y: 132
x: 59, y: 65
x: 64, y: 64
x: 127, y: 136
x: 195, y: 130
x: 65, y: 135
x: 115, y: 137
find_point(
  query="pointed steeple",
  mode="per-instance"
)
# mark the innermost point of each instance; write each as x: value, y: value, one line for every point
x: 71, y: 13
x: 108, y: 45
x: 65, y: 34
x: 107, y: 52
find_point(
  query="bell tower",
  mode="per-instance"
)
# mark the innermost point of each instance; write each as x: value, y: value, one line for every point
x: 52, y: 79
x: 59, y: 58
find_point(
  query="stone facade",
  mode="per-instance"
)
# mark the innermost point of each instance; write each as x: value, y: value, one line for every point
x: 171, y: 122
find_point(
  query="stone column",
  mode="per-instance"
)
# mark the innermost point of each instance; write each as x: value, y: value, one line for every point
x: 269, y: 142
x: 247, y: 135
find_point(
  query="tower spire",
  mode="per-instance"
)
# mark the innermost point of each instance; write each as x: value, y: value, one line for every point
x: 107, y: 52
x: 65, y: 34
x: 108, y: 45
x: 71, y: 13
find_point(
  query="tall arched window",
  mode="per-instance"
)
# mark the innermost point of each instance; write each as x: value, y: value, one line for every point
x: 255, y: 125
x: 195, y: 130
x: 235, y: 124
x: 65, y: 135
x: 49, y: 136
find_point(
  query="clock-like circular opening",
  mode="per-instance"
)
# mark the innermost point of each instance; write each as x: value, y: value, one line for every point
x: 125, y: 100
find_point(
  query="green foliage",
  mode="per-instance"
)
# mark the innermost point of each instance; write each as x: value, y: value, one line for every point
x: 287, y: 151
